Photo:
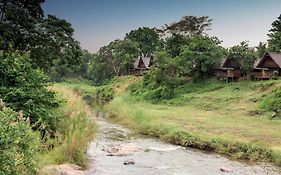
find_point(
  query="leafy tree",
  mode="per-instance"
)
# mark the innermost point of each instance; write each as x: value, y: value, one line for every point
x: 54, y: 44
x: 17, y: 22
x: 100, y: 71
x: 189, y: 25
x: 19, y: 144
x: 24, y: 28
x: 274, y: 41
x: 120, y: 54
x: 175, y: 43
x: 147, y: 38
x: 24, y: 88
x: 244, y: 55
x: 200, y: 56
x: 261, y: 49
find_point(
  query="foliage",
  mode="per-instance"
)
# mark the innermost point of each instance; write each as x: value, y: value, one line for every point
x: 200, y: 56
x: 24, y: 88
x: 54, y: 44
x: 244, y: 55
x: 74, y: 131
x: 189, y: 25
x: 100, y: 71
x: 272, y: 101
x: 175, y: 43
x: 113, y: 60
x: 18, y: 22
x: 23, y: 27
x: 104, y: 94
x: 274, y: 41
x: 19, y: 145
x: 147, y: 38
x: 60, y: 72
x: 261, y: 49
x: 159, y: 83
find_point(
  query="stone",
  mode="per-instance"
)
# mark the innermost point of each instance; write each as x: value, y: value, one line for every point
x: 225, y: 169
x: 122, y: 150
x: 129, y: 162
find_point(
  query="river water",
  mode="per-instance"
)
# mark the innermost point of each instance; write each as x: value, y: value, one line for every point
x: 160, y: 158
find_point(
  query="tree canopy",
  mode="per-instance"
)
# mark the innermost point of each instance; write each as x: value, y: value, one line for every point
x: 147, y: 38
x: 23, y: 27
x: 244, y: 55
x: 274, y: 41
x: 189, y: 25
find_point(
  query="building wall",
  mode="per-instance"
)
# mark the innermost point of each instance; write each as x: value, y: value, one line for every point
x: 269, y: 63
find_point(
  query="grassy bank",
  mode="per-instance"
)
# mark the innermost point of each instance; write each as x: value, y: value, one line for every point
x: 216, y: 116
x: 75, y: 130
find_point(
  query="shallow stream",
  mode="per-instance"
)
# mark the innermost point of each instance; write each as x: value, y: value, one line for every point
x: 157, y: 157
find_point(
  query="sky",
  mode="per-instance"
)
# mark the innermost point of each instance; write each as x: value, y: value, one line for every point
x: 98, y: 22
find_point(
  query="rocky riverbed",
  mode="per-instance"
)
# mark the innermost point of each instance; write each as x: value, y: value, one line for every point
x: 118, y: 151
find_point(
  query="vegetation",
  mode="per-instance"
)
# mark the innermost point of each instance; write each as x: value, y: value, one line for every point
x: 244, y: 55
x: 75, y: 130
x: 211, y: 115
x: 148, y: 40
x: 19, y: 144
x: 176, y: 100
x: 31, y: 122
x: 275, y: 36
x: 24, y: 88
x: 49, y: 39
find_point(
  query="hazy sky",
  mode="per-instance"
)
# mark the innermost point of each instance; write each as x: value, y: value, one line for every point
x: 97, y: 22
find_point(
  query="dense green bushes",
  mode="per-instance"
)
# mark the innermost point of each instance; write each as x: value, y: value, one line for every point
x: 272, y: 101
x: 24, y: 88
x: 19, y: 144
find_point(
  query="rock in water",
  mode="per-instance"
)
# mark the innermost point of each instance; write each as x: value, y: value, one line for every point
x: 122, y: 150
x: 128, y: 162
x: 226, y: 169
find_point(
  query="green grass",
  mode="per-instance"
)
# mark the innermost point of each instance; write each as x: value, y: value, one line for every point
x: 75, y: 130
x: 222, y: 117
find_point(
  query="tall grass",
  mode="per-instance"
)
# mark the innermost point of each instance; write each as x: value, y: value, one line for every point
x: 75, y: 130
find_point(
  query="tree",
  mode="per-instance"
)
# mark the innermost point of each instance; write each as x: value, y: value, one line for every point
x: 200, y: 56
x: 147, y: 38
x: 24, y: 28
x: 120, y: 54
x: 189, y: 25
x: 274, y: 41
x: 244, y: 55
x: 100, y: 71
x: 18, y: 20
x: 54, y: 44
x: 261, y: 49
x: 24, y: 88
x: 175, y: 43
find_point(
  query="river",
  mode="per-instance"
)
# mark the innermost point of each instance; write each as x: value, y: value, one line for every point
x: 157, y: 157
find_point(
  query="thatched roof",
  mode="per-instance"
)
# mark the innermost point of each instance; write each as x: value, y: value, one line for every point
x: 145, y: 60
x: 276, y: 57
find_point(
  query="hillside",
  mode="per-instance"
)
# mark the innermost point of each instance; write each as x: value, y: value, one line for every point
x: 229, y: 118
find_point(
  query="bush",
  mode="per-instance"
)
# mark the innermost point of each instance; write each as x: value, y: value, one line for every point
x: 275, y: 75
x: 18, y: 144
x: 25, y: 88
x: 272, y: 101
x: 104, y: 94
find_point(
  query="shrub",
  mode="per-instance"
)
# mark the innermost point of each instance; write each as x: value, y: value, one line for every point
x: 18, y: 144
x: 104, y: 94
x: 275, y: 75
x: 25, y: 88
x: 272, y: 101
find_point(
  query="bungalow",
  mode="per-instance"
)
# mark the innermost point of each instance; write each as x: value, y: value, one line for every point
x: 141, y: 65
x: 269, y: 63
x: 229, y: 69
